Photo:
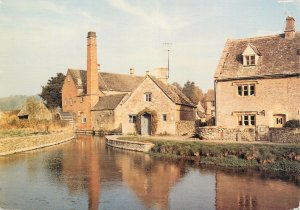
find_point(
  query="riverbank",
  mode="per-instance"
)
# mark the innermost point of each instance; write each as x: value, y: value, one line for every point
x: 31, y: 142
x: 282, y: 158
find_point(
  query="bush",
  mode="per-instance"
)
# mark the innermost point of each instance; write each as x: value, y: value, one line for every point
x: 292, y: 124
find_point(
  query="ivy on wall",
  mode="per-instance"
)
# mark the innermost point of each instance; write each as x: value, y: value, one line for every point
x: 153, y: 120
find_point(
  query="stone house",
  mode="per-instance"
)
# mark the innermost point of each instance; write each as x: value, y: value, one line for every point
x: 101, y: 101
x: 257, y: 81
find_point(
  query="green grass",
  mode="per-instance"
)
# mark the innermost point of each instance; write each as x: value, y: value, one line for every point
x: 266, y: 157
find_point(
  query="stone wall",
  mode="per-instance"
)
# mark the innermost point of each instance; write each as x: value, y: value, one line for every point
x: 226, y: 134
x: 128, y: 145
x: 284, y: 135
x: 21, y: 144
x: 184, y: 128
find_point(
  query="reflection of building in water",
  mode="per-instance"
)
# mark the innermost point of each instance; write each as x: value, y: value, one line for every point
x: 252, y: 192
x: 85, y: 167
x: 150, y: 179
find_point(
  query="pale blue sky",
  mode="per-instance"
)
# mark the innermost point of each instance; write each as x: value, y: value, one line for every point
x: 42, y: 37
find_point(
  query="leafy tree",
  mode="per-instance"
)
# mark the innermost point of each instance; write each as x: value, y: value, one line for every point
x: 176, y: 84
x: 193, y: 92
x: 51, y: 93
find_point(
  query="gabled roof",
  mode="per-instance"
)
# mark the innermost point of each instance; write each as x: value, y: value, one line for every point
x: 109, y: 102
x: 173, y: 93
x: 107, y: 81
x: 278, y: 56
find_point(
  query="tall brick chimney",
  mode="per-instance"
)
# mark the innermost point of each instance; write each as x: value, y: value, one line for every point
x: 92, y: 65
x: 289, y: 32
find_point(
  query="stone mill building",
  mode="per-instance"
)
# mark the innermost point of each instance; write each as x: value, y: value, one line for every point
x: 126, y: 103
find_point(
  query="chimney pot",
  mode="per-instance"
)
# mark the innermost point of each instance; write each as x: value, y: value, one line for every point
x: 91, y: 34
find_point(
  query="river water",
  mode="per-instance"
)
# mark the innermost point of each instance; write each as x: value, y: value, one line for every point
x: 86, y: 174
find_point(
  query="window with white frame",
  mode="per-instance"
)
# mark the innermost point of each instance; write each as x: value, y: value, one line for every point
x: 246, y: 120
x: 246, y: 90
x: 249, y: 60
x: 83, y: 119
x: 132, y: 118
x: 148, y: 96
x: 164, y: 117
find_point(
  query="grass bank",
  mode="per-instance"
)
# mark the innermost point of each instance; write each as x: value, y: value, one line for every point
x: 282, y: 158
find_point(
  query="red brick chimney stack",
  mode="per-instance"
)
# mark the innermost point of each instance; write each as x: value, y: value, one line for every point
x: 92, y: 65
x: 289, y: 32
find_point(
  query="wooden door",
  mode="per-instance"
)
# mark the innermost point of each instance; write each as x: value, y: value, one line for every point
x: 146, y: 124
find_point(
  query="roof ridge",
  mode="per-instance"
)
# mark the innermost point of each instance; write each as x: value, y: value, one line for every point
x: 261, y: 37
x: 119, y: 74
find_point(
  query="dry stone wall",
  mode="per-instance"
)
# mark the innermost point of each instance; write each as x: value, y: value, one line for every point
x: 20, y: 144
x: 184, y: 128
x: 284, y: 135
x: 226, y: 134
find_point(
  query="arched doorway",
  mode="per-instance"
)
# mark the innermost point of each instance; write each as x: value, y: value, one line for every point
x: 146, y: 124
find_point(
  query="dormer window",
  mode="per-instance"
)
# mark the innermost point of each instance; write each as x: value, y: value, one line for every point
x: 250, y: 60
x: 250, y: 55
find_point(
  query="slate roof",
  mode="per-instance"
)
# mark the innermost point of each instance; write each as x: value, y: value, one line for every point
x: 173, y: 93
x: 109, y: 102
x: 278, y: 56
x: 108, y: 81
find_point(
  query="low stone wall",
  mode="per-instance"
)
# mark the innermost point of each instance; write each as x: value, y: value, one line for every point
x: 128, y: 145
x: 284, y: 135
x: 226, y: 134
x: 185, y: 128
x: 26, y: 143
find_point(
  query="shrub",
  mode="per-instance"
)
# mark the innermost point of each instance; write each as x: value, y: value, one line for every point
x: 292, y: 124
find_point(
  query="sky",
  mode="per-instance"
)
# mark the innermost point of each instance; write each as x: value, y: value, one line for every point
x: 40, y: 38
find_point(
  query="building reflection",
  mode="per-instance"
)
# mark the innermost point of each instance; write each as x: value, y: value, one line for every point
x: 150, y: 179
x: 252, y: 192
x: 82, y: 171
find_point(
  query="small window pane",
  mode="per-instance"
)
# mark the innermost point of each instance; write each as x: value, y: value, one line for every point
x: 252, y: 90
x: 252, y: 118
x: 164, y: 117
x: 240, y: 90
x: 246, y: 120
x: 252, y: 62
x: 246, y: 90
x: 240, y: 120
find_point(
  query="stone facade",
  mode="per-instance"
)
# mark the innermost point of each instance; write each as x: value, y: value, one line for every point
x: 273, y: 97
x: 284, y: 135
x: 217, y: 133
x: 257, y: 81
x: 160, y: 103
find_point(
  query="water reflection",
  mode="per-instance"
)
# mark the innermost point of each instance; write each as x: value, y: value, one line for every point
x: 85, y: 174
x: 250, y: 191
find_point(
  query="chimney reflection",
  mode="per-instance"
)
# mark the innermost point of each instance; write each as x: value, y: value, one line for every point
x: 85, y: 166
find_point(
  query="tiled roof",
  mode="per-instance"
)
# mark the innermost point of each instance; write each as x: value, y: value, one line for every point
x: 277, y: 56
x: 173, y: 93
x: 108, y: 102
x: 108, y: 81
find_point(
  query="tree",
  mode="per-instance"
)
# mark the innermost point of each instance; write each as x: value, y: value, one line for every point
x: 51, y: 93
x: 176, y: 84
x: 193, y: 92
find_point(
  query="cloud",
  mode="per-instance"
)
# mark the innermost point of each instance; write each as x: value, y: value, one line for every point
x: 154, y: 18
